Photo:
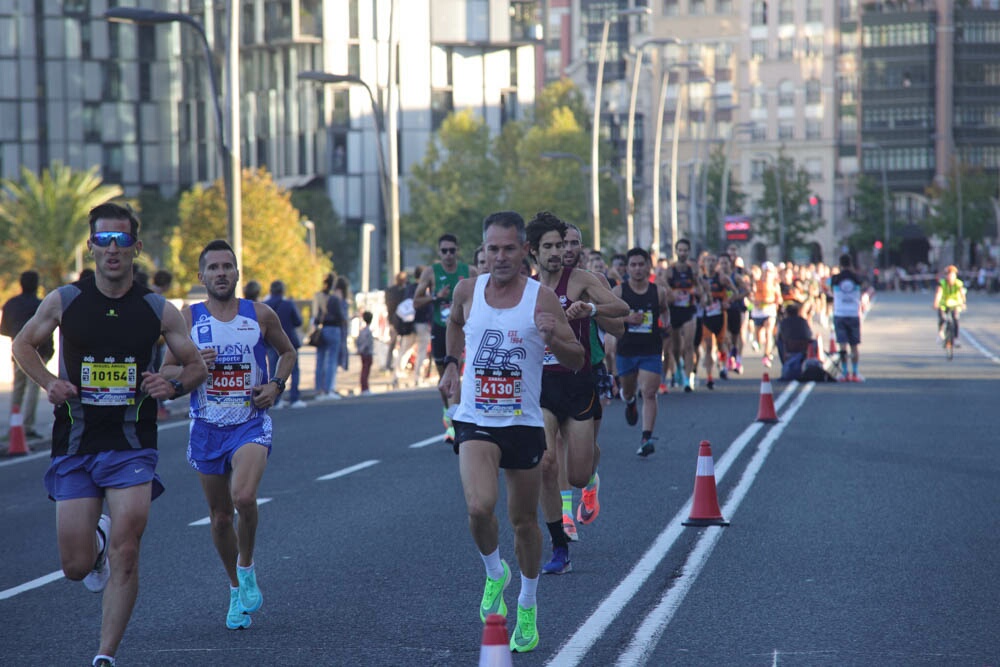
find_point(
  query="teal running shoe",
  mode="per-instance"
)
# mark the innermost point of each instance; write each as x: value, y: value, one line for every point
x: 236, y: 619
x: 250, y: 596
x: 525, y: 637
x: 493, y: 595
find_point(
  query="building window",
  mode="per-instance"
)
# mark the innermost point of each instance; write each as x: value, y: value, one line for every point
x: 813, y: 129
x: 758, y: 49
x: 758, y: 15
x: 341, y: 112
x: 112, y: 89
x: 759, y: 98
x: 757, y: 169
x: 786, y: 129
x: 697, y: 8
x: 311, y: 18
x: 814, y: 167
x: 814, y: 46
x: 671, y: 7
x: 354, y: 59
x: 442, y: 104
x: 278, y: 24
x: 786, y: 12
x: 759, y: 132
x: 812, y: 91
x: 338, y: 154
x: 353, y: 29
x: 814, y: 11
x: 723, y: 6
x: 478, y: 20
x: 786, y: 93
x: 92, y: 122
x: 786, y: 48
x: 111, y: 163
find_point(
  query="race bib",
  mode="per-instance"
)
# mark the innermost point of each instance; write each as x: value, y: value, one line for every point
x: 646, y: 326
x: 107, y: 383
x: 230, y: 385
x: 549, y: 359
x: 714, y: 308
x: 445, y: 312
x: 682, y: 298
x: 498, y: 392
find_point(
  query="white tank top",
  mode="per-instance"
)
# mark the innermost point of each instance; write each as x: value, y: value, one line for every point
x: 502, y: 382
x: 226, y: 397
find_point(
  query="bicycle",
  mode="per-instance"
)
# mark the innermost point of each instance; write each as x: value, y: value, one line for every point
x: 948, y: 331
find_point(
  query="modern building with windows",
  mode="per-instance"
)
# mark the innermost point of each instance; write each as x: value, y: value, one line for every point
x: 136, y: 100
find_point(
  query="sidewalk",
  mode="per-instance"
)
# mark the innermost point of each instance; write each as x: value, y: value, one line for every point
x: 348, y: 385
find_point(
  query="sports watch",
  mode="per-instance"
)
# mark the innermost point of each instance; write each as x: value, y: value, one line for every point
x: 281, y: 383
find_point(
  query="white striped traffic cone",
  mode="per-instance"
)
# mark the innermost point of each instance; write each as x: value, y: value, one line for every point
x: 18, y: 445
x: 495, y: 649
x: 766, y: 413
x: 705, y: 506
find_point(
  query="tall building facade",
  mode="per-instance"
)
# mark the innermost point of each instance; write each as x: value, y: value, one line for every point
x: 136, y: 100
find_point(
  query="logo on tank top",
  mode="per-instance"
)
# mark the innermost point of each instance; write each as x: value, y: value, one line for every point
x: 491, y: 355
x: 204, y: 333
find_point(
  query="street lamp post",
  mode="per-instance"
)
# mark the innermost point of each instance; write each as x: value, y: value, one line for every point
x: 388, y: 199
x: 595, y: 203
x: 229, y: 154
x: 885, y: 200
x: 630, y: 134
x: 311, y: 228
x: 366, y: 259
x: 781, y: 202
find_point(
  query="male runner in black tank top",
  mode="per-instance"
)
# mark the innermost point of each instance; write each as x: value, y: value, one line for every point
x: 684, y: 294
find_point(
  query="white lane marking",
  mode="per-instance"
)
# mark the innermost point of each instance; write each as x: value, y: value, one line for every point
x: 427, y: 441
x: 979, y: 346
x: 207, y: 520
x: 34, y: 583
x: 577, y: 646
x: 653, y: 626
x: 348, y: 471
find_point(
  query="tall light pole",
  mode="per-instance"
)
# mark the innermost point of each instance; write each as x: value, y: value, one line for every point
x: 228, y: 153
x: 885, y: 199
x: 776, y: 169
x: 366, y: 260
x: 595, y: 193
x: 630, y: 134
x: 388, y: 198
x: 311, y: 228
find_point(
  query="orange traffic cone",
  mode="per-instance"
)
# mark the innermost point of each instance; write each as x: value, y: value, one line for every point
x: 831, y: 350
x: 495, y: 648
x: 705, y: 507
x: 18, y: 445
x: 766, y: 413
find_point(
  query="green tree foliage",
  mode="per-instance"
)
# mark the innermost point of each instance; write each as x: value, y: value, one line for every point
x: 869, y: 216
x: 978, y: 215
x: 46, y: 219
x: 274, y: 241
x: 735, y: 197
x: 795, y: 192
x: 558, y: 95
x: 456, y: 185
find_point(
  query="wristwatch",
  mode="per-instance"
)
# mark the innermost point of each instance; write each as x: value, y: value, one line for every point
x: 593, y: 309
x: 178, y: 388
x: 281, y: 383
x: 449, y: 360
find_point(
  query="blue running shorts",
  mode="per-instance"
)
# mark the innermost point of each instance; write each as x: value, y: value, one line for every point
x: 88, y: 475
x: 651, y: 362
x: 211, y: 448
x: 847, y: 330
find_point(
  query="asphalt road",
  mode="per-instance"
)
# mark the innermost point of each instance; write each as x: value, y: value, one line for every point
x: 864, y: 532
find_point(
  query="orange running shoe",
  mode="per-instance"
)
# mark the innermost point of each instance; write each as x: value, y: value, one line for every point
x: 589, y: 506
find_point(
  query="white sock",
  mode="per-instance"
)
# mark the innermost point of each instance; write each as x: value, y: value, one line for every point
x: 109, y: 658
x: 494, y: 566
x: 248, y: 568
x: 529, y: 587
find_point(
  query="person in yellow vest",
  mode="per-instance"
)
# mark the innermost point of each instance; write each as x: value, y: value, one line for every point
x: 950, y: 295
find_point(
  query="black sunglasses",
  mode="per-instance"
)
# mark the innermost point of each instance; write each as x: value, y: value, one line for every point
x: 447, y: 251
x: 121, y: 239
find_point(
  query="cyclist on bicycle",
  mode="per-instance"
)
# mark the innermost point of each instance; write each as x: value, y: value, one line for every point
x: 950, y: 295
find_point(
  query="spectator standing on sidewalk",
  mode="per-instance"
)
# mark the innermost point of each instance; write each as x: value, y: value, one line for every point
x: 366, y: 348
x: 288, y: 315
x: 327, y: 313
x: 394, y: 295
x: 16, y: 313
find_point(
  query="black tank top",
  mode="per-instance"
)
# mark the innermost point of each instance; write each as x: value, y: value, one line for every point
x: 105, y: 346
x: 580, y: 327
x: 644, y: 339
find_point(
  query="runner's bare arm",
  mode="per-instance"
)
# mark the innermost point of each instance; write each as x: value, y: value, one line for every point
x: 25, y: 348
x: 551, y: 322
x: 268, y: 393
x: 455, y: 335
x: 425, y: 287
x: 608, y: 305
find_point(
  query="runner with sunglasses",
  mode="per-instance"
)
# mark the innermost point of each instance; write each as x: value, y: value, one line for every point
x: 436, y: 287
x: 104, y: 435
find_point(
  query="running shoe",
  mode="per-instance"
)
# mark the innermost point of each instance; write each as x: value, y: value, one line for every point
x: 723, y: 374
x: 857, y: 377
x: 525, y: 636
x: 559, y: 564
x: 569, y: 528
x: 492, y: 602
x: 844, y: 378
x: 755, y: 345
x: 250, y: 596
x: 711, y: 384
x: 767, y: 362
x: 97, y: 579
x: 739, y: 368
x: 103, y: 661
x: 449, y: 436
x: 646, y: 448
x: 236, y: 619
x: 589, y: 506
x: 663, y: 388
x: 632, y: 412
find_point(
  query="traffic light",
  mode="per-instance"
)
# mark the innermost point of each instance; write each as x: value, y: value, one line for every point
x: 815, y: 207
x: 878, y: 245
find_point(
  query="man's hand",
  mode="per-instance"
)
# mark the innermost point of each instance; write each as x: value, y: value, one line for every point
x: 60, y: 391
x: 545, y: 322
x: 444, y: 294
x: 156, y: 386
x: 265, y: 395
x: 208, y: 355
x: 449, y: 383
x: 577, y: 310
x: 634, y: 317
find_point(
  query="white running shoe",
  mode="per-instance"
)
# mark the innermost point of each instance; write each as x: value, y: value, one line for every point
x: 298, y: 404
x: 97, y: 580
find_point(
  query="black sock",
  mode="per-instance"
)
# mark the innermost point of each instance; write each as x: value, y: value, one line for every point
x: 559, y: 538
x: 646, y: 435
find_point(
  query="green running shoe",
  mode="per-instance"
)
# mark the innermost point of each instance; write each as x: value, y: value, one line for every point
x: 525, y: 637
x: 493, y: 595
x: 236, y: 619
